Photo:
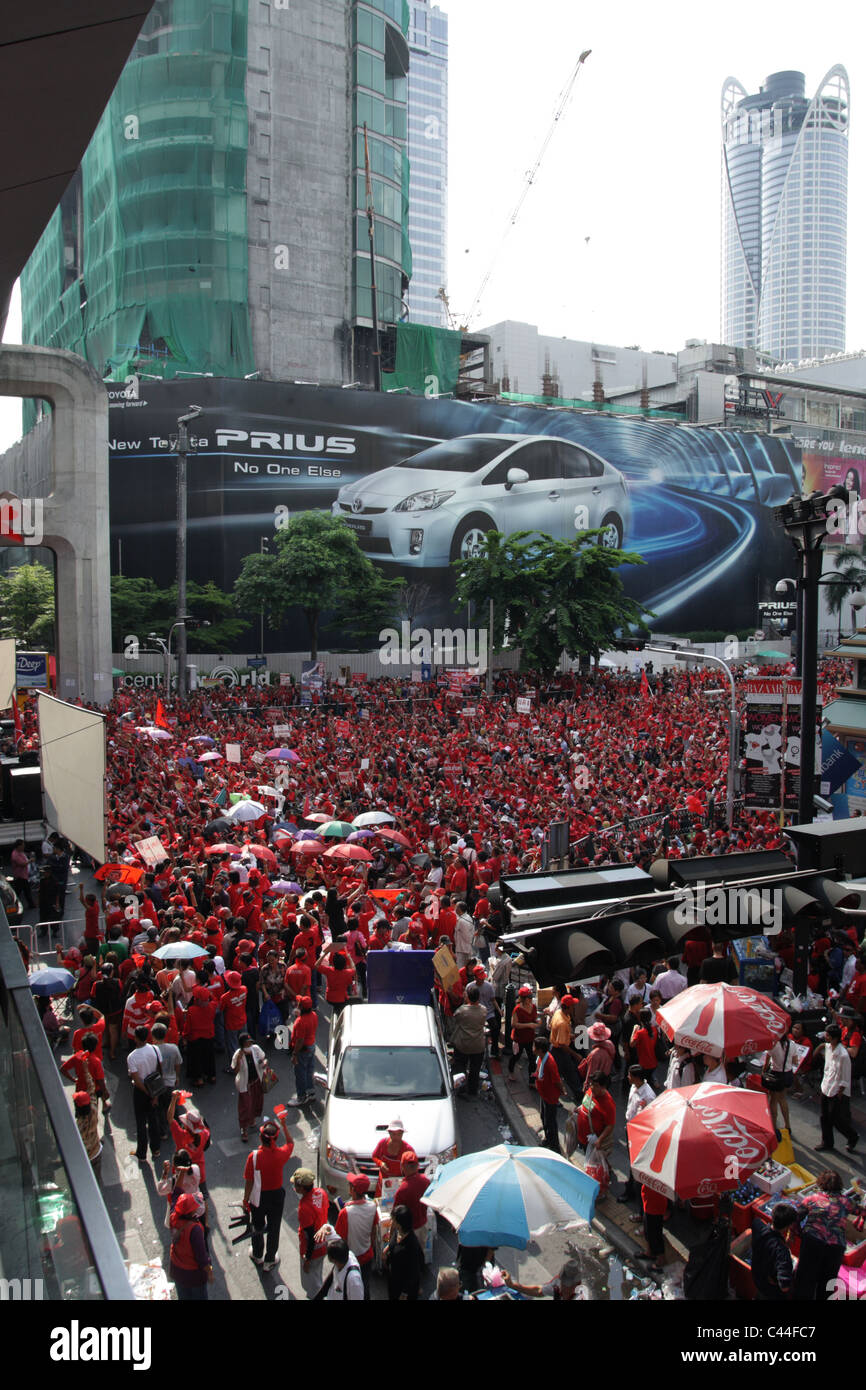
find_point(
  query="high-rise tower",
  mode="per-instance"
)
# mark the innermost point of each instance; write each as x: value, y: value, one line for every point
x: 784, y: 215
x: 428, y: 159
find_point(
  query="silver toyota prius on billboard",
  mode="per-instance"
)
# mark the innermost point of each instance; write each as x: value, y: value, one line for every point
x: 438, y: 505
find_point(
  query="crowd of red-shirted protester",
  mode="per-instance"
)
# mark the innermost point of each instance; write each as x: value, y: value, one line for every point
x: 638, y: 770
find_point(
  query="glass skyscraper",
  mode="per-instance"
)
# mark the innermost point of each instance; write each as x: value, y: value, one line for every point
x: 784, y: 215
x: 428, y: 160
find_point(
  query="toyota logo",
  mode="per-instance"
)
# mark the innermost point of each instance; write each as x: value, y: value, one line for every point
x: 357, y: 505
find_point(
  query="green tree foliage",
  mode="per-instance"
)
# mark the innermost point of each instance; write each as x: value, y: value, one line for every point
x: 138, y: 607
x: 553, y: 595
x: 317, y: 565
x: 27, y: 606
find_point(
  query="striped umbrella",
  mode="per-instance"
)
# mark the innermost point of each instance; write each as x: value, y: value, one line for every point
x: 698, y: 1140
x: 723, y: 1020
x: 508, y: 1194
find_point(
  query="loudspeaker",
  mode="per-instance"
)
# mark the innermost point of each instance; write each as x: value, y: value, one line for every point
x: 26, y: 793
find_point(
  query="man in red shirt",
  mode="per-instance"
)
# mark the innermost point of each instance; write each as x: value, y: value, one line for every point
x: 356, y: 1225
x: 303, y: 1044
x: 234, y: 1010
x: 88, y: 1070
x: 312, y: 1216
x: 298, y: 975
x: 339, y: 975
x: 410, y: 1192
x: 264, y: 1194
x: 548, y: 1084
x: 94, y: 1023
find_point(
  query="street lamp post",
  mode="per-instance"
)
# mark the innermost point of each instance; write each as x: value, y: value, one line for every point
x: 182, y: 451
x: 732, y: 717
x: 805, y: 520
x: 263, y: 541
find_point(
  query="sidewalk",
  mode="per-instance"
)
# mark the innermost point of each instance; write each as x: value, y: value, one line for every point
x: 520, y: 1106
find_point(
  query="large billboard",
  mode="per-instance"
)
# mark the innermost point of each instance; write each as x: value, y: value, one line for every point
x: 419, y: 481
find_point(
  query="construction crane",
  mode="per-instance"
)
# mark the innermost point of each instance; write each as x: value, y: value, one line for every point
x: 561, y: 104
x: 442, y: 294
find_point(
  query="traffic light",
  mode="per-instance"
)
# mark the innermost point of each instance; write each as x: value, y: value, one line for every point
x: 582, y: 923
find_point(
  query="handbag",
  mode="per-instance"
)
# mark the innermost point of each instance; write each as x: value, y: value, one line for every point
x: 776, y: 1081
x: 269, y: 1078
x: 155, y: 1084
x: 269, y: 1018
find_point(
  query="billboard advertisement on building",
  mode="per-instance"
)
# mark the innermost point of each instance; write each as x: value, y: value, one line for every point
x: 420, y: 481
x: 831, y: 458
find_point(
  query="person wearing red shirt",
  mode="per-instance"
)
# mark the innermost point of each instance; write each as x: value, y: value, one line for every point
x: 388, y: 1154
x: 298, y: 976
x: 198, y: 1030
x: 303, y: 1045
x: 189, y: 1131
x: 233, y: 1005
x: 524, y: 1022
x: 339, y: 975
x: 312, y: 1216
x: 264, y: 1194
x: 644, y: 1041
x: 356, y: 1225
x: 88, y: 1070
x: 94, y: 1023
x: 548, y: 1084
x: 410, y: 1192
x: 380, y: 937
x: 655, y: 1208
x: 447, y: 919
x: 92, y: 934
x: 135, y: 1013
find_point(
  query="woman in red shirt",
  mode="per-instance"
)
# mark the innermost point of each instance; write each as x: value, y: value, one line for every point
x: 339, y: 975
x: 198, y: 1029
x: 388, y: 1154
x: 524, y: 1022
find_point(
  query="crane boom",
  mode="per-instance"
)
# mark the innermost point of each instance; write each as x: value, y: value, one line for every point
x: 561, y: 104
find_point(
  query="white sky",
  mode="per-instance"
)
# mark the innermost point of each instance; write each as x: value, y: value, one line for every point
x: 634, y: 163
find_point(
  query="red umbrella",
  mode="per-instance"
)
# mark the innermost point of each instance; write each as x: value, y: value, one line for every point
x: 723, y: 1020
x: 318, y: 816
x: 698, y: 1140
x: 262, y: 852
x: 349, y: 852
x: 310, y: 847
x: 396, y: 837
x: 223, y: 849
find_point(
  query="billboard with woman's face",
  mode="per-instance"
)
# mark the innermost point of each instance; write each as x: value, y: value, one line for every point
x: 419, y: 482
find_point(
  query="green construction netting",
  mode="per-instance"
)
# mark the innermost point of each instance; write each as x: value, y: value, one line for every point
x: 428, y: 360
x: 164, y: 254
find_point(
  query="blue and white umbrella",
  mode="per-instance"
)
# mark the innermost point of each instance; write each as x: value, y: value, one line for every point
x: 179, y: 950
x: 508, y: 1194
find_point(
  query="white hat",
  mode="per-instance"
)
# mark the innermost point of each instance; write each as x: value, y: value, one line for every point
x: 396, y: 1123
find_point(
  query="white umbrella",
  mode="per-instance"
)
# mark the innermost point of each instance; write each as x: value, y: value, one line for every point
x: 153, y: 731
x: 246, y: 810
x: 374, y: 818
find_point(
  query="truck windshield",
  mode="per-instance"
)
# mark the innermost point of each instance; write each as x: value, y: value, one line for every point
x: 400, y: 1073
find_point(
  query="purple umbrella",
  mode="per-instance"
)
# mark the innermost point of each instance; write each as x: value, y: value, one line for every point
x: 360, y: 835
x: 281, y: 886
x: 202, y: 738
x: 308, y: 835
x: 283, y: 755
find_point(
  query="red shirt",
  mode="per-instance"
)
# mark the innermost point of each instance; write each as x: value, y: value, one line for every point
x: 312, y: 1216
x: 84, y: 1064
x: 298, y: 977
x: 409, y: 1194
x: 194, y: 1141
x: 270, y: 1162
x: 548, y: 1082
x: 643, y: 1040
x: 654, y: 1203
x: 199, y: 1021
x: 394, y: 1166
x: 339, y: 983
x: 98, y: 1031
x: 234, y: 1006
x: 91, y: 922
x: 601, y: 1110
x: 304, y: 1030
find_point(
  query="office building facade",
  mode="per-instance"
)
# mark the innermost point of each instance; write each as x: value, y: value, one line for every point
x: 428, y: 161
x: 217, y: 222
x: 784, y: 215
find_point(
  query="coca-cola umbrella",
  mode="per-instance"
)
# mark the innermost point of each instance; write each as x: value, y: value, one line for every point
x: 723, y: 1020
x: 698, y: 1140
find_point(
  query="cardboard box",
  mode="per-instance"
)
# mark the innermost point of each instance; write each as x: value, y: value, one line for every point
x: 543, y: 998
x: 777, y: 1183
x: 446, y: 967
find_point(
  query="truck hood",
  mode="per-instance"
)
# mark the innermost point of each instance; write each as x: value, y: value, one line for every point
x: 351, y: 1125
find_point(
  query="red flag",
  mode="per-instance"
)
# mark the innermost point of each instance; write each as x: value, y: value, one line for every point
x: 159, y: 719
x: 644, y: 687
x: 16, y: 715
x: 306, y: 806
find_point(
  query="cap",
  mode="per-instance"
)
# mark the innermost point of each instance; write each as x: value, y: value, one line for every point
x: 303, y: 1177
x: 479, y: 972
x: 409, y: 1156
x: 359, y: 1182
x: 525, y: 990
x: 81, y: 1097
x: 232, y: 979
x: 186, y: 1205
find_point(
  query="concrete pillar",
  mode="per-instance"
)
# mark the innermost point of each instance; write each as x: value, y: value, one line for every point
x: 64, y: 462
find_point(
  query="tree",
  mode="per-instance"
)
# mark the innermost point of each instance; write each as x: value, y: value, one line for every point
x: 138, y: 607
x: 553, y: 595
x: 317, y: 566
x: 27, y: 606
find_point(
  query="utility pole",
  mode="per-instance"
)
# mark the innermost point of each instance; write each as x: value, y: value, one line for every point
x: 182, y: 451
